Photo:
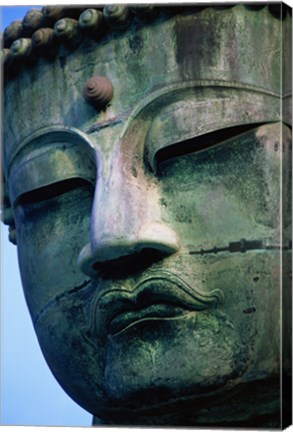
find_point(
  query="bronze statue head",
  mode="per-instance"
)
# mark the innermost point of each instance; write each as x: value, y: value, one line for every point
x: 145, y: 160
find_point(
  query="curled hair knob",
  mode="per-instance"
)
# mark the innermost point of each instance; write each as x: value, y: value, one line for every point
x: 53, y: 13
x: 44, y: 42
x: 21, y: 47
x: 32, y: 21
x: 12, y: 32
x: 43, y: 37
x: 117, y: 16
x: 67, y: 30
x: 91, y: 21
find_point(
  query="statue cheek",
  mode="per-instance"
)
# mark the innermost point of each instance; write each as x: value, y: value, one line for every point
x: 75, y: 362
x: 227, y: 191
x: 49, y: 241
x: 251, y: 285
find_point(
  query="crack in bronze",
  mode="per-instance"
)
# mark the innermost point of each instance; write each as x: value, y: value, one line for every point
x: 60, y: 297
x: 96, y: 127
x: 243, y: 246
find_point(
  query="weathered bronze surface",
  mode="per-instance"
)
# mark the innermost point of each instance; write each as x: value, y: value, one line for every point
x: 154, y: 228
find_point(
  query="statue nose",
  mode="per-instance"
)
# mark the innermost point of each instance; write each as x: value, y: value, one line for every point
x: 127, y: 231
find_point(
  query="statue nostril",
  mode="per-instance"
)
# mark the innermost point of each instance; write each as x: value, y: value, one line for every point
x: 128, y: 265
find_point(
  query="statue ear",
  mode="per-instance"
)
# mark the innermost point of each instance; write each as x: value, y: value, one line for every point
x: 7, y: 215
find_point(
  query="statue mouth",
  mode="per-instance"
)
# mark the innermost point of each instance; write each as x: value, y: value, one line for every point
x: 158, y: 312
x: 162, y: 296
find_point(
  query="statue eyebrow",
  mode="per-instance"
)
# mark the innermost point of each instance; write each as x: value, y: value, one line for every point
x: 243, y: 246
x: 51, y: 135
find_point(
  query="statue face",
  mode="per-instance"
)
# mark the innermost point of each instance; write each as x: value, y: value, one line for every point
x: 148, y: 245
x: 163, y: 315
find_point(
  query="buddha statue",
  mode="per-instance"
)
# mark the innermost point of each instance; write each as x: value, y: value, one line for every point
x: 147, y: 184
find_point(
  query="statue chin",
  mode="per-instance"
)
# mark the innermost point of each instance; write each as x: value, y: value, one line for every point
x: 154, y: 375
x: 155, y: 363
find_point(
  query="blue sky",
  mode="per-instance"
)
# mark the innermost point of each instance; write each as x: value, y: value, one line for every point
x: 30, y: 395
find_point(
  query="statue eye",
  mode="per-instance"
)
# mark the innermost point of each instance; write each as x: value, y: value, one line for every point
x: 52, y: 191
x: 46, y: 173
x: 200, y: 143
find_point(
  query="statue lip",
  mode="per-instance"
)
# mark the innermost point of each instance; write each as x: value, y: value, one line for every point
x: 157, y: 312
x: 159, y: 296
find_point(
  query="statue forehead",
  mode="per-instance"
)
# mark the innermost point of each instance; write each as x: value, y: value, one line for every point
x: 207, y: 47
